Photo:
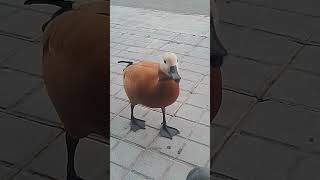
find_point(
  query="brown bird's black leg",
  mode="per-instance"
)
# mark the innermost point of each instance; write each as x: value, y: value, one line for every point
x: 165, y: 130
x: 72, y: 144
x: 136, y: 124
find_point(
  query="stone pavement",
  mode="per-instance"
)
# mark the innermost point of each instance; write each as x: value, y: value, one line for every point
x: 268, y: 125
x: 147, y: 34
x: 32, y: 141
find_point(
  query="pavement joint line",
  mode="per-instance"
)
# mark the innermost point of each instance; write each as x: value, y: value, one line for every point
x: 19, y: 70
x: 223, y: 176
x: 303, y: 106
x: 278, y: 9
x: 258, y: 61
x: 7, y: 163
x: 308, y: 72
x: 25, y: 8
x: 22, y: 168
x: 20, y: 37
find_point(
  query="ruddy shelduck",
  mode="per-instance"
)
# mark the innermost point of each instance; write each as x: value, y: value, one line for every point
x: 75, y: 70
x: 154, y: 85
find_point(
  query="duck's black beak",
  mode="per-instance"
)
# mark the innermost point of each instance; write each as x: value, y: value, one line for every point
x: 173, y: 74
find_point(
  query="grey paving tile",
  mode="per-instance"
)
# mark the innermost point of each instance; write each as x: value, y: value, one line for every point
x: 114, y: 89
x: 184, y: 126
x: 201, y: 134
x: 177, y: 48
x: 157, y: 44
x: 270, y: 49
x: 183, y: 95
x: 306, y: 169
x: 205, y: 118
x: 149, y: 161
x: 216, y: 137
x: 119, y: 126
x: 171, y: 109
x: 9, y: 46
x: 196, y: 60
x: 188, y: 39
x: 122, y: 95
x: 120, y: 155
x: 142, y: 137
x: 167, y: 146
x: 113, y: 142
x: 140, y: 50
x: 90, y: 160
x: 5, y: 11
x: 117, y: 172
x: 307, y: 59
x: 30, y: 176
x: 199, y: 100
x: 178, y: 171
x: 138, y: 112
x: 154, y: 119
x: 285, y: 123
x: 19, y: 148
x: 192, y: 148
x: 6, y: 172
x: 191, y: 113
x: 12, y: 92
x: 247, y: 76
x: 38, y: 104
x: 117, y: 105
x: 133, y: 176
x: 195, y: 67
x: 34, y: 20
x: 187, y: 85
x: 297, y: 87
x: 28, y: 59
x: 260, y: 158
x: 200, y: 52
x: 203, y: 89
x: 233, y: 107
x: 191, y: 76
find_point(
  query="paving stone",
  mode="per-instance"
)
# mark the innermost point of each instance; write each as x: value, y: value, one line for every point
x: 171, y: 147
x: 306, y: 168
x: 6, y: 172
x: 133, y: 176
x: 205, y: 80
x: 122, y: 95
x: 38, y: 104
x: 270, y: 49
x: 90, y: 160
x: 19, y: 148
x: 114, y: 51
x: 201, y: 134
x: 171, y: 109
x: 199, y: 100
x: 140, y: 50
x: 200, y: 52
x: 157, y: 44
x: 260, y: 158
x: 117, y: 105
x: 117, y: 172
x: 114, y: 89
x: 117, y: 68
x: 12, y: 92
x: 119, y: 126
x: 205, y: 43
x: 195, y: 68
x: 28, y: 59
x: 196, y: 61
x: 178, y: 171
x: 154, y: 119
x: 203, y: 89
x: 216, y: 137
x: 298, y: 87
x: 9, y: 46
x: 191, y: 76
x: 5, y: 11
x: 138, y: 112
x: 306, y: 59
x: 267, y: 19
x: 177, y: 48
x: 192, y: 148
x: 113, y: 143
x: 125, y: 154
x: 187, y: 85
x: 142, y: 137
x: 247, y: 76
x: 188, y: 39
x: 191, y: 113
x: 228, y: 114
x: 30, y: 176
x: 205, y: 118
x: 285, y: 123
x: 183, y: 95
x: 184, y: 126
x: 33, y: 19
x: 116, y: 78
x: 149, y: 161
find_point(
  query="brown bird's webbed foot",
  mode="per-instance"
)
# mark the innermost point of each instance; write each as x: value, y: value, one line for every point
x: 72, y: 144
x: 136, y: 124
x: 165, y: 130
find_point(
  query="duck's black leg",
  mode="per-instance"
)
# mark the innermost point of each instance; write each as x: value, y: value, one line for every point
x: 136, y: 124
x: 72, y: 144
x: 165, y: 130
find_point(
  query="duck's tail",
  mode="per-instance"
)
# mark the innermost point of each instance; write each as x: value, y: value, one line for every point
x: 128, y: 62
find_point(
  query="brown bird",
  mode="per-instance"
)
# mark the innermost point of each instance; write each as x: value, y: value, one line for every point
x: 75, y: 70
x: 155, y: 85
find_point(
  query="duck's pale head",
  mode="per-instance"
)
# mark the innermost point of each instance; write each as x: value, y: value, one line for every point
x: 169, y: 66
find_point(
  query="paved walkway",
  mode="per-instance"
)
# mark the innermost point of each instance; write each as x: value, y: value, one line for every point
x: 32, y: 141
x: 268, y: 125
x: 147, y: 34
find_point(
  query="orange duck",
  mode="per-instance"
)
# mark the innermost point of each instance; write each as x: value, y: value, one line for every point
x: 155, y: 85
x: 75, y: 70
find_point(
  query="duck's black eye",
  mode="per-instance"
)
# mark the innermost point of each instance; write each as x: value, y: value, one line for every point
x: 165, y: 61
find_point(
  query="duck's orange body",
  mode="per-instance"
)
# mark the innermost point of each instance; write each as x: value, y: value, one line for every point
x: 75, y: 62
x: 143, y: 85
